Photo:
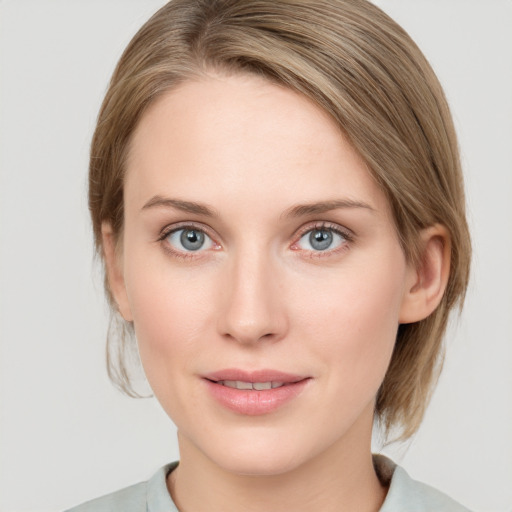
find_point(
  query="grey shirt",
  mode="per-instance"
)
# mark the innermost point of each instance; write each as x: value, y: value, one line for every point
x: 404, y: 494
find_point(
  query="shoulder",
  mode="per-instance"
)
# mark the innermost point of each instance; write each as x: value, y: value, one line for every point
x: 130, y: 499
x: 140, y: 497
x: 408, y: 495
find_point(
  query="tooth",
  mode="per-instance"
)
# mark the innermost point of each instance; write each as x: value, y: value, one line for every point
x: 243, y: 385
x: 262, y: 385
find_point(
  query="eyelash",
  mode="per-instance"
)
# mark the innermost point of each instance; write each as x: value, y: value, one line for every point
x: 317, y: 226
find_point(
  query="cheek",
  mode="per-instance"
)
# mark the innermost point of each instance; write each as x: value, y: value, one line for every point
x: 171, y: 310
x: 353, y: 320
x: 168, y: 322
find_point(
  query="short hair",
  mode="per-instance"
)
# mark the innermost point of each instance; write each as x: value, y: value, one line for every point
x: 360, y: 67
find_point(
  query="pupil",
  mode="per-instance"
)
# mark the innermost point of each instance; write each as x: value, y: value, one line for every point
x: 320, y: 239
x: 191, y: 239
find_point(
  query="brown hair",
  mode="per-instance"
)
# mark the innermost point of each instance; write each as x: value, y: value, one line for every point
x: 363, y: 69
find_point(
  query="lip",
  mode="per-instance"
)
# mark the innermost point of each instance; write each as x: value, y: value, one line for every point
x: 254, y: 402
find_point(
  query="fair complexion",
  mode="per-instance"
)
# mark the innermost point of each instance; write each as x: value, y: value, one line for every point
x: 257, y: 244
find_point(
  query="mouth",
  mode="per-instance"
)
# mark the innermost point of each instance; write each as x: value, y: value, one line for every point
x: 254, y: 393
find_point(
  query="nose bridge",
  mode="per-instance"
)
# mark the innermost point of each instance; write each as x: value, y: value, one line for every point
x: 253, y: 309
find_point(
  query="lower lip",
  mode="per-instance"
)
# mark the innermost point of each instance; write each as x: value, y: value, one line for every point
x: 254, y: 402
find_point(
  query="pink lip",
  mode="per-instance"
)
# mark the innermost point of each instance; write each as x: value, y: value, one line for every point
x: 254, y: 402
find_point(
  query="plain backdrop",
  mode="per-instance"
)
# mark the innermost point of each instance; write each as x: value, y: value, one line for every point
x: 66, y: 435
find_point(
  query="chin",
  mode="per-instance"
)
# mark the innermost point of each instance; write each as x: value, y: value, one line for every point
x: 260, y: 464
x: 258, y: 453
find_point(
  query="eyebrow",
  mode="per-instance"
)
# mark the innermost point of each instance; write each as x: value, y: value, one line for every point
x: 301, y: 210
x: 179, y: 204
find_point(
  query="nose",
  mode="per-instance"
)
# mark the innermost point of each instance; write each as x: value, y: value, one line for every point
x: 253, y: 306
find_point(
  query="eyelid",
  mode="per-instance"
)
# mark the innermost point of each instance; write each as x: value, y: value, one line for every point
x: 171, y: 228
x: 328, y: 226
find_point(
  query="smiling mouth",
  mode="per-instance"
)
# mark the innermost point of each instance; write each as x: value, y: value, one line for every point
x: 253, y: 393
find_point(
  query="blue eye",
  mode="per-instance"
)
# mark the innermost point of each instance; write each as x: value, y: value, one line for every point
x: 189, y: 240
x: 321, y: 239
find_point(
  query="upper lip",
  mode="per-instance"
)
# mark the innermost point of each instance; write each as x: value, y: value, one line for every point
x: 264, y: 375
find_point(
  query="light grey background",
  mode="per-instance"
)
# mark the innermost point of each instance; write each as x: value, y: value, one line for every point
x: 65, y: 434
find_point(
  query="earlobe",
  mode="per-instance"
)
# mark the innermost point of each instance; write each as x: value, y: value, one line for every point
x: 114, y: 270
x: 427, y: 283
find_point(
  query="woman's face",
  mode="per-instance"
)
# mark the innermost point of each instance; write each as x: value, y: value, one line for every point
x: 258, y: 252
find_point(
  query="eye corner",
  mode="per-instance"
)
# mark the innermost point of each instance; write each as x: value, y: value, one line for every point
x: 294, y: 246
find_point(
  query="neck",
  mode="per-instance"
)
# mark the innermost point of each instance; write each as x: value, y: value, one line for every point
x: 341, y: 479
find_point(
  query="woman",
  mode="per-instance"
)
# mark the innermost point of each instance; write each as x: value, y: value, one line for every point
x: 276, y: 192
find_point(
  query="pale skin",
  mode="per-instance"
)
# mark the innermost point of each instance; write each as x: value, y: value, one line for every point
x: 257, y: 169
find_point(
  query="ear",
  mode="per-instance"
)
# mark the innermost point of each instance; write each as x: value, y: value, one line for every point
x: 426, y: 284
x: 114, y: 269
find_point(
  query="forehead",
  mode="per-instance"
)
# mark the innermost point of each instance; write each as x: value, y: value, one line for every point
x: 223, y: 135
